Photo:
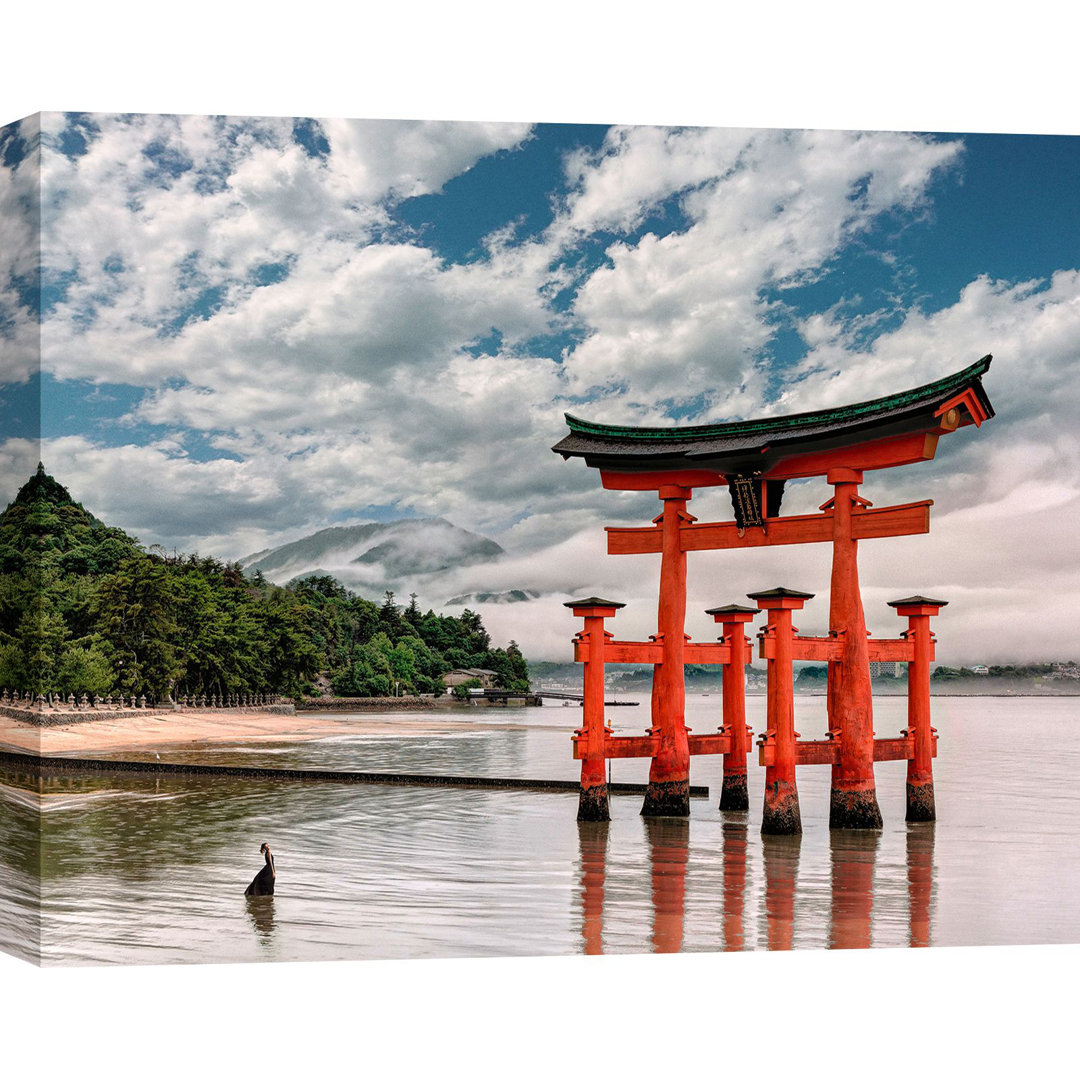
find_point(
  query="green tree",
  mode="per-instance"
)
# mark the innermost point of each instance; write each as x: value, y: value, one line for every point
x: 135, y: 611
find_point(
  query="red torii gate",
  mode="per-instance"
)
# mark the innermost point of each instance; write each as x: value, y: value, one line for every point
x: 754, y: 459
x: 781, y: 748
x: 595, y: 742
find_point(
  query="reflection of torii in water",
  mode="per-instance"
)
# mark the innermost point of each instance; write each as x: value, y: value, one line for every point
x: 851, y: 861
x: 263, y: 882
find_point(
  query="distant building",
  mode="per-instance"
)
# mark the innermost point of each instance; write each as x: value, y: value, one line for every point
x: 886, y: 668
x: 463, y: 675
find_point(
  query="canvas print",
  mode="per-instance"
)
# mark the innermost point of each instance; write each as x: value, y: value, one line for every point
x: 457, y: 539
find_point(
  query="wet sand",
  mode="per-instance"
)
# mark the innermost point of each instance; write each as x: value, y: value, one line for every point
x: 155, y: 731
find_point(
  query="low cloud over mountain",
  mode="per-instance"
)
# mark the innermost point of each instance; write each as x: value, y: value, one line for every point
x: 400, y: 555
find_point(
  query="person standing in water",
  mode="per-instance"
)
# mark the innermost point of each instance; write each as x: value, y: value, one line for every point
x: 263, y: 882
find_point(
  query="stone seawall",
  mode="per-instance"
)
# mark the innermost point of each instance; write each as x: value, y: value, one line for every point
x: 60, y: 717
x: 365, y: 704
x: 38, y: 767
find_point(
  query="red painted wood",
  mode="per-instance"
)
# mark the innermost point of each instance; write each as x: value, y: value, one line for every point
x: 719, y: 743
x: 901, y: 749
x: 879, y: 454
x: 817, y: 752
x: 708, y: 652
x: 647, y: 540
x: 920, y: 770
x: 803, y: 648
x: 654, y: 481
x: 780, y: 707
x: 671, y: 764
x: 592, y: 760
x: 909, y: 519
x: 969, y: 401
x: 827, y: 751
x: 652, y: 652
x: 905, y: 520
x: 635, y: 746
x: 622, y: 652
x: 883, y: 650
x: 734, y: 694
x: 622, y: 746
x: 827, y: 649
x: 850, y: 705
x: 876, y: 454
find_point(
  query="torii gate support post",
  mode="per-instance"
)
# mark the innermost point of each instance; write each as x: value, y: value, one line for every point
x: 781, y: 814
x: 853, y: 800
x: 668, y: 793
x: 593, y: 799
x: 734, y: 794
x: 920, y: 771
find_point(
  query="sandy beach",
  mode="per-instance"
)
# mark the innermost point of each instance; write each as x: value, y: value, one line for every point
x: 218, y: 727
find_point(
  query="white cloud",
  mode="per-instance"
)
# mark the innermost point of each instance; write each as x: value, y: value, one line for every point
x: 763, y: 209
x: 20, y: 254
x: 161, y: 210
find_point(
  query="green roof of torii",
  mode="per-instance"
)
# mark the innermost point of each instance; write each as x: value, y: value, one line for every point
x: 722, y: 445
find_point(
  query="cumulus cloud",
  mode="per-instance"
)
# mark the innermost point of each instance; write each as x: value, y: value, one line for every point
x: 762, y: 210
x: 20, y: 251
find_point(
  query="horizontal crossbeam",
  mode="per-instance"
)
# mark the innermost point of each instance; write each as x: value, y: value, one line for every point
x: 827, y: 751
x: 631, y: 746
x: 866, y: 523
x: 825, y: 649
x: 804, y: 648
x: 652, y: 652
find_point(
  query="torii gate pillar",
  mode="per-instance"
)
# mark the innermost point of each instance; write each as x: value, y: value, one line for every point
x: 853, y: 801
x: 668, y: 793
x: 733, y: 618
x: 920, y: 772
x: 781, y: 814
x: 593, y: 797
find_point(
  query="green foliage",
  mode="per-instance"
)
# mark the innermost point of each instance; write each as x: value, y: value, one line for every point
x: 84, y: 609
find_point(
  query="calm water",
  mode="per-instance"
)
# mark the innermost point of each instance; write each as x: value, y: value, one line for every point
x: 153, y: 871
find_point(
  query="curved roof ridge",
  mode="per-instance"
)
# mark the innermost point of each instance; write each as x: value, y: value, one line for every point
x: 856, y: 411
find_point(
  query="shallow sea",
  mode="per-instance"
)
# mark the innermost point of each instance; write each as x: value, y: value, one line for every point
x: 139, y: 870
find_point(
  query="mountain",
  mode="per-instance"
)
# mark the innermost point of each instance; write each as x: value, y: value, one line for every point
x: 371, y: 558
x: 509, y: 596
x: 44, y: 529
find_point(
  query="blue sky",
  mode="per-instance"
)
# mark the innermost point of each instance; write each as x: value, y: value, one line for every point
x: 253, y: 328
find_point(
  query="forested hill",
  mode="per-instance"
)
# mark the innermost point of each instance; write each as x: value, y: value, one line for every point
x: 84, y: 609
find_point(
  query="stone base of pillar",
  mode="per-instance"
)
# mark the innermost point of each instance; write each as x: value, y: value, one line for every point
x: 854, y: 808
x: 667, y: 799
x: 593, y: 804
x: 733, y: 794
x: 781, y: 816
x: 920, y: 802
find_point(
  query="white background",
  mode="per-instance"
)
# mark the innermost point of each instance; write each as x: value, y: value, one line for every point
x: 916, y: 66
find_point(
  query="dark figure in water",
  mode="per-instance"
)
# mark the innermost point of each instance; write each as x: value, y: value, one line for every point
x: 263, y: 883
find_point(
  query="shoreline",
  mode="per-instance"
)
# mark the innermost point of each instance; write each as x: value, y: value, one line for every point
x: 146, y: 731
x: 195, y: 729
